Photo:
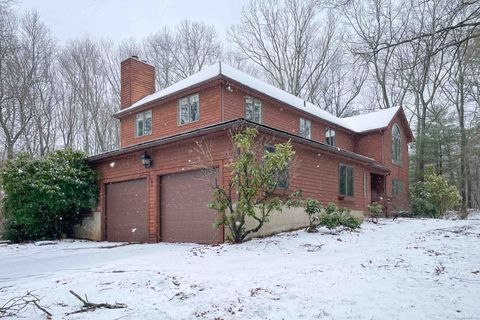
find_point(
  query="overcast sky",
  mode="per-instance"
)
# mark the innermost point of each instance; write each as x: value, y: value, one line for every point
x: 122, y: 19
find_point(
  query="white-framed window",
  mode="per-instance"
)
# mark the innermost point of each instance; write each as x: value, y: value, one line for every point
x: 330, y: 137
x: 396, y: 144
x: 143, y: 123
x: 188, y: 109
x: 253, y: 109
x: 305, y: 128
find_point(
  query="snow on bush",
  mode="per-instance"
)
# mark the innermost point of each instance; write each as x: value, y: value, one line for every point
x: 433, y: 196
x: 43, y: 197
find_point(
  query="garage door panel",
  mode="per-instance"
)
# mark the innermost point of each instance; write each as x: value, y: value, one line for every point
x: 185, y: 216
x: 127, y: 211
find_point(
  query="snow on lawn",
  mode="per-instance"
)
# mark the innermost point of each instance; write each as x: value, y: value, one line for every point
x: 402, y: 269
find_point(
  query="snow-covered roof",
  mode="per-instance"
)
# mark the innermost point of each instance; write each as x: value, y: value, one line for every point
x: 361, y: 123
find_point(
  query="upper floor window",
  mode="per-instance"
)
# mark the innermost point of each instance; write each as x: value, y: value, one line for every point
x: 305, y: 128
x: 397, y: 187
x: 143, y: 123
x: 330, y: 137
x: 282, y: 175
x: 253, y: 109
x: 346, y: 180
x: 188, y: 109
x: 396, y: 145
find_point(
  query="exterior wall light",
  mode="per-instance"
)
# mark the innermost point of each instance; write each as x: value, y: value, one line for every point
x: 146, y: 160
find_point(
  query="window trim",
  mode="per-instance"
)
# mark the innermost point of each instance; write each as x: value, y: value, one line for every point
x: 398, y: 161
x: 305, y: 120
x: 260, y: 115
x: 143, y: 123
x: 179, y: 113
x: 334, y: 136
x: 346, y: 195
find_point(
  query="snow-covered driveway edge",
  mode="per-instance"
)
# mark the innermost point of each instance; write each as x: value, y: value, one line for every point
x: 402, y: 269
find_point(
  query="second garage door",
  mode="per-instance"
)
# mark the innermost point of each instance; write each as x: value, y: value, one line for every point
x: 185, y: 216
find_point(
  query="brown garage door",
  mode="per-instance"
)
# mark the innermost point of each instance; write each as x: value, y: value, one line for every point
x: 127, y: 213
x: 185, y: 216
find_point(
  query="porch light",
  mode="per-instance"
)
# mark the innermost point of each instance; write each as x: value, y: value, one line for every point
x: 146, y: 160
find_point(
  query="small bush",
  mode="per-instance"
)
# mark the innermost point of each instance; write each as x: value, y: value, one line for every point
x: 433, y: 196
x: 374, y: 211
x: 336, y: 220
x: 313, y: 209
x: 330, y: 217
x: 43, y: 197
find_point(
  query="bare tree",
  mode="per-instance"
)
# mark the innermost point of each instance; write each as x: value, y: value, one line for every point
x: 183, y: 52
x: 83, y: 68
x: 7, y: 47
x: 26, y: 58
x: 288, y: 42
x: 463, y: 18
x: 159, y: 49
x: 341, y: 84
x: 375, y: 22
x: 197, y: 46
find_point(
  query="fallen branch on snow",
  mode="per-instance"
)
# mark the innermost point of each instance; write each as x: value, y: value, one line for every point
x: 18, y: 304
x: 88, y: 306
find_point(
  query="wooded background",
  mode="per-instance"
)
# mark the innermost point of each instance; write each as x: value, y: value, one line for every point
x: 346, y: 56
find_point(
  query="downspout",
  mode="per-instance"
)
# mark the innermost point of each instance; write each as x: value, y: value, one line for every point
x: 383, y: 153
x: 221, y: 94
x: 221, y: 102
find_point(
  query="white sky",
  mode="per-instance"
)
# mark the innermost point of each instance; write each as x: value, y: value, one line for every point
x: 122, y: 19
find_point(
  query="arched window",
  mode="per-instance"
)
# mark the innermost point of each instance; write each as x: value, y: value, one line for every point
x: 396, y: 145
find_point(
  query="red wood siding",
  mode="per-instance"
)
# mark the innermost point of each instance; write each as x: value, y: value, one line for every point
x: 281, y: 116
x: 316, y: 173
x: 399, y: 172
x: 165, y: 116
x: 176, y: 157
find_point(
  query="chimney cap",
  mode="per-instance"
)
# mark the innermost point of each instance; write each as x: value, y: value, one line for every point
x: 135, y: 57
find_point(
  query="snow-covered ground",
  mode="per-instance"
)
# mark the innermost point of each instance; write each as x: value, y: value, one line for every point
x: 402, y: 269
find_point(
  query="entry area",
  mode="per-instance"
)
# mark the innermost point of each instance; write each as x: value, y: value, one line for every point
x: 184, y: 215
x: 377, y: 187
x: 126, y: 211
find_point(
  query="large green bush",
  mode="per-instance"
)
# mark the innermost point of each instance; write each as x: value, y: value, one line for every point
x: 44, y: 197
x: 433, y: 196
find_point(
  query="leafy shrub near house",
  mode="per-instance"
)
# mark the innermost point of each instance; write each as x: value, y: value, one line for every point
x: 374, y: 211
x: 313, y: 209
x: 333, y: 217
x: 43, y: 197
x: 254, y: 191
x: 330, y: 217
x: 433, y: 196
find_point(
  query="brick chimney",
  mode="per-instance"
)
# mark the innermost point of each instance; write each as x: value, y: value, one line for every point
x: 137, y: 81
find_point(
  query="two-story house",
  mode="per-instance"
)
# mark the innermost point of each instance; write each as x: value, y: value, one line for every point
x: 153, y: 190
